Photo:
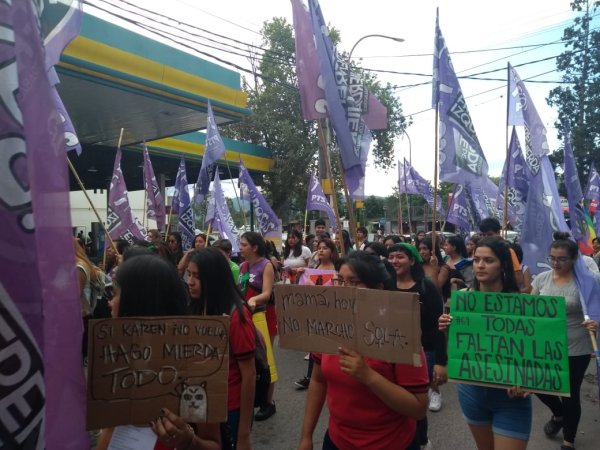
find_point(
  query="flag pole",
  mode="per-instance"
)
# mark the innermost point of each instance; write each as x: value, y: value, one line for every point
x: 435, y: 176
x: 349, y: 204
x: 234, y: 189
x: 74, y: 172
x: 305, y: 222
x: 505, y: 205
x: 242, y: 209
x: 407, y: 201
x: 144, y: 223
x: 325, y: 151
x: 400, y: 231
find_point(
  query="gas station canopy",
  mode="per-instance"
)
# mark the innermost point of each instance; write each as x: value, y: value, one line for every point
x: 113, y: 78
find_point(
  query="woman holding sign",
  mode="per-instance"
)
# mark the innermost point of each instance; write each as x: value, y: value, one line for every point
x: 499, y: 419
x: 372, y: 404
x: 147, y: 286
x: 213, y: 292
x: 560, y: 281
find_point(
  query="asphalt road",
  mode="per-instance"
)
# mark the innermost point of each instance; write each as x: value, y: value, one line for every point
x: 447, y: 429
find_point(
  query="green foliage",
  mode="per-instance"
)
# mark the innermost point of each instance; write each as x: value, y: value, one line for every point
x: 277, y: 123
x: 578, y: 99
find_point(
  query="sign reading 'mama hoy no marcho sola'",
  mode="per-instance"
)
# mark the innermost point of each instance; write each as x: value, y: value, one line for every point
x: 383, y: 325
x: 510, y: 340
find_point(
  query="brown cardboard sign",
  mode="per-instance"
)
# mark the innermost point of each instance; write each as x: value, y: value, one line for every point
x: 384, y: 325
x: 136, y: 366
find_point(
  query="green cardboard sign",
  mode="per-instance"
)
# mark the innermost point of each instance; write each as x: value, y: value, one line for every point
x: 509, y: 340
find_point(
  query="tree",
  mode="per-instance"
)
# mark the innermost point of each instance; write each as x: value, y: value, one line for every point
x: 578, y: 100
x: 276, y: 122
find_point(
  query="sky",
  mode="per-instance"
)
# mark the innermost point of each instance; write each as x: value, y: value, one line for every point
x: 474, y: 31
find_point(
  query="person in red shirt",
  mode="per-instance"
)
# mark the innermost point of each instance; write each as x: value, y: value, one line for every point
x: 213, y: 292
x: 372, y: 404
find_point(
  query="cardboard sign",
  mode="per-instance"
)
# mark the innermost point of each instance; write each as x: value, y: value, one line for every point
x: 136, y: 366
x: 317, y: 277
x: 383, y: 325
x: 509, y: 340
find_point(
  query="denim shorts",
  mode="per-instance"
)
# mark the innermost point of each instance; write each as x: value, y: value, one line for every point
x: 482, y: 405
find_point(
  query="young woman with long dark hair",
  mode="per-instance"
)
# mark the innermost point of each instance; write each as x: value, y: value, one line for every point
x: 257, y: 277
x: 147, y: 286
x: 372, y: 404
x: 213, y: 292
x: 295, y: 255
x: 410, y: 277
x: 498, y: 418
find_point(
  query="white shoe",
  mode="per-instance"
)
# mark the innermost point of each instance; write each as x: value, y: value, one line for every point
x: 427, y: 446
x: 435, y: 401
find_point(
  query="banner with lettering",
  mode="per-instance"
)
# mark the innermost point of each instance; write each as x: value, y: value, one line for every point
x: 136, y: 366
x: 461, y: 155
x: 509, y: 340
x: 379, y: 324
x: 42, y: 386
x: 316, y: 201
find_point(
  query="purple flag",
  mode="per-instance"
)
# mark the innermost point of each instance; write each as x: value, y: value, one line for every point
x: 312, y: 95
x: 42, y: 392
x: 461, y: 157
x: 268, y: 223
x: 347, y: 102
x: 214, y: 149
x: 71, y: 140
x: 182, y: 206
x: 121, y: 222
x: 513, y: 175
x: 61, y: 22
x: 459, y: 210
x: 581, y: 223
x: 317, y: 201
x: 222, y: 217
x: 484, y: 193
x: 521, y: 111
x: 592, y: 189
x: 405, y: 181
x: 592, y: 196
x: 155, y: 207
x: 414, y: 183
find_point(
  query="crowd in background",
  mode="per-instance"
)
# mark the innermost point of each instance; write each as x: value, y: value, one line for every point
x: 372, y: 404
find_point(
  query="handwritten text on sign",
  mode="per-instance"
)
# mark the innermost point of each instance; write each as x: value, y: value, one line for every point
x: 139, y: 365
x: 509, y: 339
x: 379, y: 324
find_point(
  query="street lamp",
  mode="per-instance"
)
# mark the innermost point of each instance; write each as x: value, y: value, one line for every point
x: 409, y: 147
x: 397, y: 39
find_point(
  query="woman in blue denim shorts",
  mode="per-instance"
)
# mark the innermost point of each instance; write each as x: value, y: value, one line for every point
x: 498, y: 418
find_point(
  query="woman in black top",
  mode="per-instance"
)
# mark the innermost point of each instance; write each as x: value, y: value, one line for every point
x: 410, y: 277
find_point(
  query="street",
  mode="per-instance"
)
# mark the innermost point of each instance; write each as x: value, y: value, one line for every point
x: 447, y: 428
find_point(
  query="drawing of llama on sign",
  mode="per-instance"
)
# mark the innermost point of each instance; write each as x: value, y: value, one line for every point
x: 193, y: 404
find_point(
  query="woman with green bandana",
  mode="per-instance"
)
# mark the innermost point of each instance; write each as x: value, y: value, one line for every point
x: 410, y: 277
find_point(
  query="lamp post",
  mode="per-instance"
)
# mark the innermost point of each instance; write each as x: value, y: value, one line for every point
x: 348, y: 199
x: 383, y: 36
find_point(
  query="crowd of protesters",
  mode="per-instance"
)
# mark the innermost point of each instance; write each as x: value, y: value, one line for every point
x: 372, y: 404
